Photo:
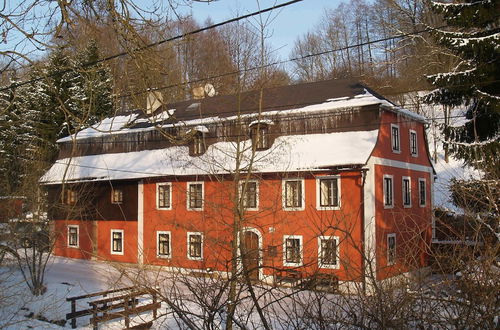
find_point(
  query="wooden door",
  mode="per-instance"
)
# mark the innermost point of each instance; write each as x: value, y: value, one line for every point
x: 250, y: 254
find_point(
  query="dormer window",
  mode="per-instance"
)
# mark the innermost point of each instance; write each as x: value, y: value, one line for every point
x: 260, y: 133
x: 198, y: 144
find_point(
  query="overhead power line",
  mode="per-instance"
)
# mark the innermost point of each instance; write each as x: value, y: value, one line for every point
x: 157, y: 43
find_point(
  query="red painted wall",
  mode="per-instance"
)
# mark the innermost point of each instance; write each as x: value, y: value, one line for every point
x: 129, y: 240
x: 61, y: 248
x: 271, y: 221
x: 412, y: 225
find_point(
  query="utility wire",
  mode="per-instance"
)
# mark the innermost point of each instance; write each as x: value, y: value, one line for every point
x: 154, y: 44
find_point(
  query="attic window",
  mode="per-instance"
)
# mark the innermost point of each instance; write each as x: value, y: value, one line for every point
x: 260, y: 136
x: 198, y: 143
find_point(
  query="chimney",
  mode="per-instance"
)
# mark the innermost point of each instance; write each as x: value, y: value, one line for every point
x: 153, y: 102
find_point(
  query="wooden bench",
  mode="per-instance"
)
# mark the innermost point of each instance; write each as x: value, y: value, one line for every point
x: 83, y: 312
x: 322, y: 282
x: 288, y: 277
x: 123, y: 306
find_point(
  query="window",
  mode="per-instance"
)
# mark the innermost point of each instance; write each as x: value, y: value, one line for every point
x: 388, y: 192
x: 73, y: 236
x: 195, y: 246
x: 116, y: 196
x: 195, y: 196
x: 292, y: 247
x: 406, y: 191
x: 250, y: 194
x: 395, y: 138
x: 163, y: 244
x: 328, y: 253
x: 328, y: 193
x: 391, y: 249
x: 69, y: 197
x: 117, y: 241
x: 422, y: 192
x: 198, y: 144
x: 413, y: 143
x: 260, y: 136
x: 164, y: 196
x: 293, y: 194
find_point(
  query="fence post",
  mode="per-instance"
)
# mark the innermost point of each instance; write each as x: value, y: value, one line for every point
x: 73, y: 309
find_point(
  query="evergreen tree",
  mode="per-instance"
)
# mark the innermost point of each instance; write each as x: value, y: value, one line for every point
x: 474, y: 37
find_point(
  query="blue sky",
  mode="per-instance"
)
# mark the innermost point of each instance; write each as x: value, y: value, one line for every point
x: 290, y: 22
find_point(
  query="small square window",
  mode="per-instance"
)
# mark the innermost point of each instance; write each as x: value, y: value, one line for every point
x: 395, y: 138
x: 195, y: 196
x: 163, y: 244
x: 413, y: 143
x: 388, y: 192
x: 260, y: 136
x: 272, y: 251
x: 328, y: 193
x: 391, y: 249
x: 116, y: 196
x: 422, y: 192
x: 293, y: 194
x: 250, y: 195
x: 292, y: 254
x: 195, y: 246
x: 328, y: 252
x: 117, y: 241
x: 406, y: 191
x: 73, y: 236
x: 164, y: 196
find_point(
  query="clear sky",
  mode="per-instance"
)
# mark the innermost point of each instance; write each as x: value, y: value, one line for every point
x: 290, y: 22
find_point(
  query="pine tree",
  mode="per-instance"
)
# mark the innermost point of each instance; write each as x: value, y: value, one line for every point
x: 474, y: 37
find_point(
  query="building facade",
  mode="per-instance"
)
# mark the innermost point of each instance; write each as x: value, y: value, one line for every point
x: 325, y: 177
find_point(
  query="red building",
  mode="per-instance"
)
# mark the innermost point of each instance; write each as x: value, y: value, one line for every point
x: 325, y: 177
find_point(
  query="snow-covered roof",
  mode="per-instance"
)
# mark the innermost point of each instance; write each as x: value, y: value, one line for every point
x: 288, y: 154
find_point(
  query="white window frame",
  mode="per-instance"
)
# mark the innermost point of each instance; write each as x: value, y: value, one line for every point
x: 318, y: 192
x: 163, y: 256
x: 420, y: 192
x: 190, y: 233
x: 293, y: 264
x: 413, y: 133
x: 337, y: 254
x: 397, y: 151
x: 283, y: 195
x: 188, y: 196
x: 199, y: 143
x: 403, y: 179
x: 391, y: 262
x: 77, y: 236
x: 113, y: 196
x: 257, y: 193
x: 158, y: 207
x: 388, y: 176
x: 123, y: 242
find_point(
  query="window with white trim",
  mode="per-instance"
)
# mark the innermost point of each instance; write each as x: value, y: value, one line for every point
x: 328, y: 192
x: 250, y: 194
x: 117, y: 241
x: 163, y: 244
x: 422, y: 192
x: 395, y: 143
x: 413, y: 143
x: 116, y: 196
x: 293, y: 194
x: 328, y: 252
x: 164, y: 196
x: 406, y: 191
x: 73, y: 236
x: 292, y: 250
x: 391, y: 249
x: 195, y: 196
x: 194, y: 246
x: 388, y: 191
